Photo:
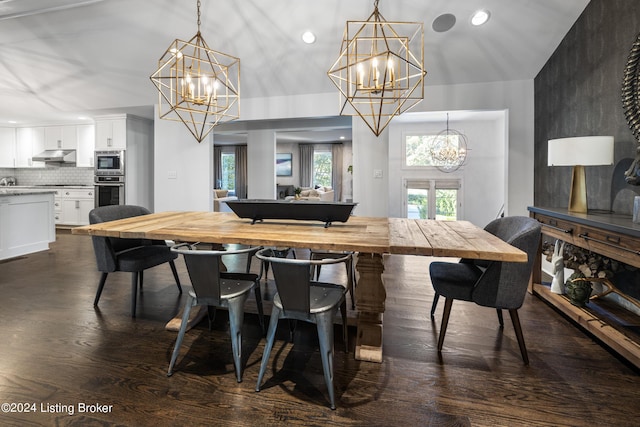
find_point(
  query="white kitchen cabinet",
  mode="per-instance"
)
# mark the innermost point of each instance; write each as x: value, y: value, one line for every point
x: 111, y: 133
x: 57, y: 137
x: 26, y: 224
x: 29, y: 142
x: 57, y: 207
x: 7, y: 147
x: 86, y: 145
x: 76, y: 205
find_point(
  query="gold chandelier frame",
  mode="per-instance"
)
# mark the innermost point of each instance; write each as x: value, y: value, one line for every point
x: 197, y: 85
x: 380, y: 70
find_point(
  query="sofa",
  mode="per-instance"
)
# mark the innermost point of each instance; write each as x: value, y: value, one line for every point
x: 324, y: 194
x: 220, y: 199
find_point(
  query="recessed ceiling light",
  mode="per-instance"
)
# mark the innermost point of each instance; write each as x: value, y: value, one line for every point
x: 13, y: 122
x: 341, y: 137
x: 480, y: 17
x: 308, y: 37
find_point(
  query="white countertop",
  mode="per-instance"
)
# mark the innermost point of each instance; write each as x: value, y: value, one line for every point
x: 13, y: 191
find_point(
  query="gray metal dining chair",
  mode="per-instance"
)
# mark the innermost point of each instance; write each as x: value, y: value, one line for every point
x: 129, y: 255
x: 348, y: 263
x: 500, y: 285
x: 300, y: 298
x: 213, y: 287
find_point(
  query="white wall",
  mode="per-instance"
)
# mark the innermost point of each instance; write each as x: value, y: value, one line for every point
x: 183, y: 179
x: 261, y: 164
x: 293, y: 149
x: 139, y: 162
x: 370, y: 154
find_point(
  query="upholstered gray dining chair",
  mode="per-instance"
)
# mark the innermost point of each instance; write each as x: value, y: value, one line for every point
x: 214, y: 287
x: 497, y: 284
x: 300, y: 298
x: 129, y: 255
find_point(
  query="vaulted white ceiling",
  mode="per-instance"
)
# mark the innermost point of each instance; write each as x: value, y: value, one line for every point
x: 63, y: 58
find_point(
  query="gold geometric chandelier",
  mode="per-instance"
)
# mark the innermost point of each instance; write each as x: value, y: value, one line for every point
x: 197, y: 85
x: 380, y: 71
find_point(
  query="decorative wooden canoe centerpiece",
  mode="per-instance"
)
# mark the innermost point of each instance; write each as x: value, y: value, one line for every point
x: 303, y: 210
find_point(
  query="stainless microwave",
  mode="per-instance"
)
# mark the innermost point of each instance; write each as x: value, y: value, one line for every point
x: 109, y: 162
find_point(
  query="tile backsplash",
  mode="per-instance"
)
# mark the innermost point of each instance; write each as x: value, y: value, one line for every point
x: 50, y: 175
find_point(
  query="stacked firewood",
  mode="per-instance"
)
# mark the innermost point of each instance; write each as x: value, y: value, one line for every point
x: 588, y: 263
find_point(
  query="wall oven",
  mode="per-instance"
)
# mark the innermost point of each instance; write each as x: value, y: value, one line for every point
x: 109, y: 190
x: 109, y: 162
x: 109, y: 177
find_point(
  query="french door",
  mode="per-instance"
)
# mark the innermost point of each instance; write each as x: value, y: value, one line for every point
x: 432, y: 199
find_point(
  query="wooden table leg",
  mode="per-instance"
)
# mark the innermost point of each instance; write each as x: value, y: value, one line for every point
x: 370, y: 300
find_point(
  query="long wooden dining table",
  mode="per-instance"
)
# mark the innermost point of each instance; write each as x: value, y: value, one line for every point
x: 370, y: 237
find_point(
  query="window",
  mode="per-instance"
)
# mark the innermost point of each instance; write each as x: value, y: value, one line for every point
x: 432, y: 199
x: 418, y: 149
x: 322, y: 171
x: 228, y: 163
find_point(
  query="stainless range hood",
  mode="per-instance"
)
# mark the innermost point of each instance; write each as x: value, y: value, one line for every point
x: 59, y: 157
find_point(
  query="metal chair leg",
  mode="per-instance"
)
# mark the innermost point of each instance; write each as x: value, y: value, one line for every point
x: 448, y: 302
x: 324, y: 324
x: 518, y: 329
x: 175, y: 275
x: 236, y: 320
x: 351, y: 281
x: 258, y: 296
x: 103, y: 279
x: 345, y: 332
x: 271, y: 335
x: 181, y: 332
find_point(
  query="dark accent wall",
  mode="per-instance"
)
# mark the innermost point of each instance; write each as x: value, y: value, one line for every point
x: 578, y: 93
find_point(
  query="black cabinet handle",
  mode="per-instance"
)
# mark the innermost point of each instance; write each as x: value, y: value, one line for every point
x: 611, y: 241
x: 554, y: 224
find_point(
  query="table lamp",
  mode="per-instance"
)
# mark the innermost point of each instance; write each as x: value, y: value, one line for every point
x: 580, y: 152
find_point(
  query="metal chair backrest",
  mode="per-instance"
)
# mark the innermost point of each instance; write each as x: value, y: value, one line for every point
x: 293, y: 280
x: 204, y: 270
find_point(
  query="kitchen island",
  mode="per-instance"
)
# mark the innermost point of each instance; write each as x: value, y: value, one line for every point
x: 26, y: 221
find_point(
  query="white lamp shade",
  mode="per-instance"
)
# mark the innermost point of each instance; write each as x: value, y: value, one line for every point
x: 581, y: 151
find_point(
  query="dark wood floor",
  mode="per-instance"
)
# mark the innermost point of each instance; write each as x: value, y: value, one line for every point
x: 56, y: 349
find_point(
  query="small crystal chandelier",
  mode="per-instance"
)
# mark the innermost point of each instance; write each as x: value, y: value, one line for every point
x: 380, y: 71
x: 448, y: 149
x: 197, y: 85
